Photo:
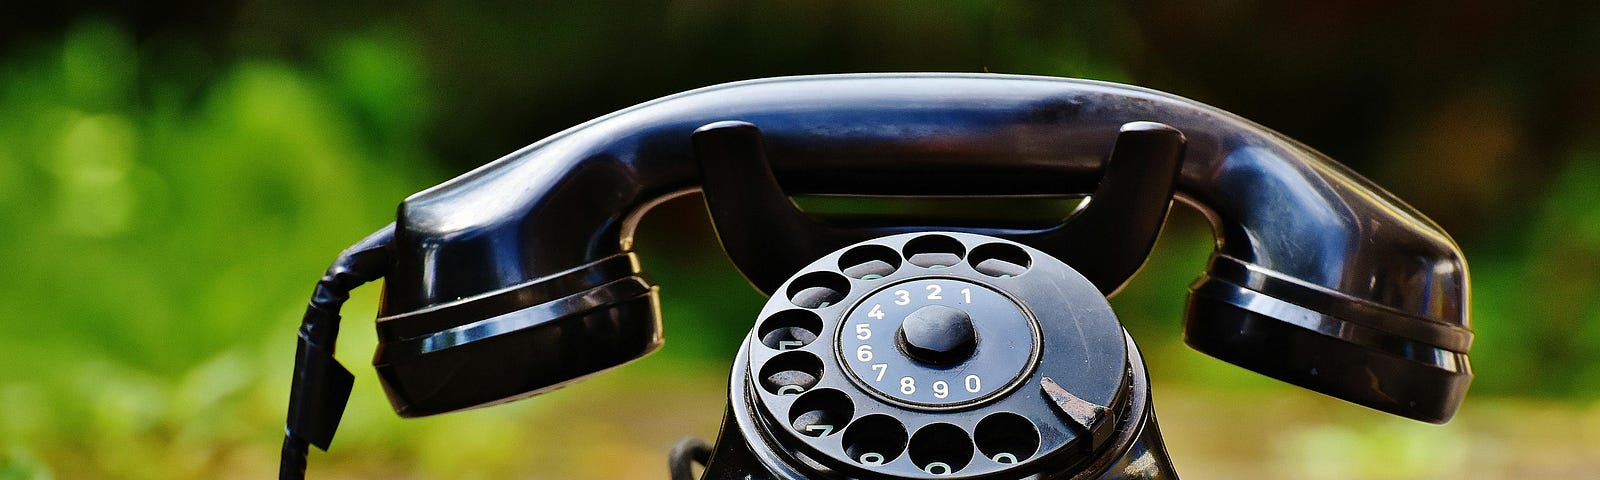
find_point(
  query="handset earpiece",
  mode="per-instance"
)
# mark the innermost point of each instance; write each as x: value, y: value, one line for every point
x: 1323, y: 280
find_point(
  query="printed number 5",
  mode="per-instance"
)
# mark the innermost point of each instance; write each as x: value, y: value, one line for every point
x: 863, y: 331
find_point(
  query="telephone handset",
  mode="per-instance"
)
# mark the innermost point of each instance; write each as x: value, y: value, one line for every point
x: 891, y: 350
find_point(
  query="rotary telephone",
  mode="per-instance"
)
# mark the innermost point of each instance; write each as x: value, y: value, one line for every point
x: 890, y: 350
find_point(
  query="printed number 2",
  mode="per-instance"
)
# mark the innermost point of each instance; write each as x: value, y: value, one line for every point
x: 933, y: 292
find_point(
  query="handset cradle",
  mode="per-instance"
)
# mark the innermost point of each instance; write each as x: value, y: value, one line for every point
x: 768, y: 238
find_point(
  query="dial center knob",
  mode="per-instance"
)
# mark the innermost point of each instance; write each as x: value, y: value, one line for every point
x: 938, y: 334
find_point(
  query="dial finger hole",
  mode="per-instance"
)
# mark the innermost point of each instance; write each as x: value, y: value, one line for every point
x: 869, y: 262
x: 820, y: 413
x: 940, y: 449
x: 875, y: 440
x: 1000, y: 260
x: 791, y: 373
x: 818, y: 289
x: 1006, y: 438
x: 934, y: 251
x: 789, y: 329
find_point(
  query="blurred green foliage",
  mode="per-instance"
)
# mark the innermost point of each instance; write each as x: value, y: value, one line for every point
x: 160, y: 230
x: 169, y: 193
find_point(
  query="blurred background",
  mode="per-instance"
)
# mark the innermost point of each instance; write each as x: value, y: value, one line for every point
x: 174, y: 177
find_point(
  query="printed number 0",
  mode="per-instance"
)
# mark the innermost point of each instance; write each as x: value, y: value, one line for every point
x: 874, y: 459
x: 974, y: 383
x: 908, y: 385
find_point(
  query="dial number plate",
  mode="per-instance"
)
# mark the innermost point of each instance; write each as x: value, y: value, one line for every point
x: 1005, y: 348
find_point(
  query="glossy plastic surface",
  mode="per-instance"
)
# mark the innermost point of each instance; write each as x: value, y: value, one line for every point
x: 769, y: 238
x: 1291, y: 225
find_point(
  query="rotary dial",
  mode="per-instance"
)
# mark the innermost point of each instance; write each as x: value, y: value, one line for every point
x: 933, y: 355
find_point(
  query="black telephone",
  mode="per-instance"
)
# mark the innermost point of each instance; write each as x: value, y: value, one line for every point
x: 888, y: 350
